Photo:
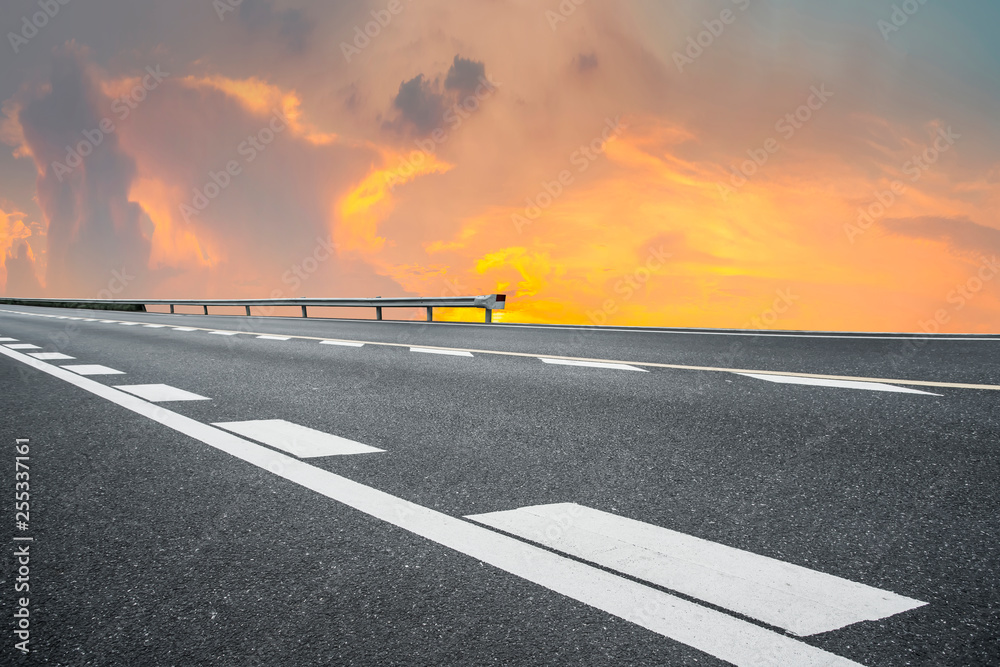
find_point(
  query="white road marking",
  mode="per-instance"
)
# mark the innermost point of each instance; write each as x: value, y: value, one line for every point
x: 300, y: 441
x: 713, y: 632
x: 129, y: 324
x: 154, y: 326
x: 92, y: 369
x: 109, y: 321
x: 345, y: 343
x: 8, y: 340
x: 185, y: 329
x: 22, y: 346
x: 49, y: 356
x: 803, y: 601
x: 273, y: 337
x: 431, y: 350
x: 223, y: 333
x: 89, y: 319
x: 841, y: 384
x: 593, y: 364
x: 160, y: 392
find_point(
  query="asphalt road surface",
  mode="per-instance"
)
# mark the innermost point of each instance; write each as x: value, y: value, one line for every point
x: 215, y: 490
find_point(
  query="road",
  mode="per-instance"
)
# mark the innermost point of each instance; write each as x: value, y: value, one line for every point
x: 267, y: 491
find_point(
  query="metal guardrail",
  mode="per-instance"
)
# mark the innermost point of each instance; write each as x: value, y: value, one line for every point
x: 489, y: 303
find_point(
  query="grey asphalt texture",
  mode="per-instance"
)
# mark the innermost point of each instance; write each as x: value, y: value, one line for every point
x: 152, y: 548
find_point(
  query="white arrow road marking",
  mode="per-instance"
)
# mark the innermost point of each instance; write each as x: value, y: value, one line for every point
x: 593, y: 364
x: 92, y: 369
x: 713, y: 632
x: 160, y: 392
x: 781, y: 594
x: 295, y: 439
x: 841, y: 384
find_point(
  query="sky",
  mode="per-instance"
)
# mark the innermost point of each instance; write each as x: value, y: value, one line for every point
x: 772, y: 164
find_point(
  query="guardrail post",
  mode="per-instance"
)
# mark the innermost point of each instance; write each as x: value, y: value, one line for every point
x: 430, y: 313
x: 489, y: 315
x: 248, y: 311
x: 304, y: 312
x: 206, y: 308
x: 378, y: 312
x: 171, y: 309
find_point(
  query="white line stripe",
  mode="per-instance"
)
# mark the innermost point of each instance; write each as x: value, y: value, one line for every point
x: 223, y: 333
x: 8, y: 340
x: 784, y: 595
x: 840, y: 384
x: 295, y: 439
x: 452, y: 353
x: 22, y: 346
x: 273, y: 337
x: 184, y: 329
x: 92, y: 369
x: 109, y: 321
x: 593, y: 364
x: 49, y: 356
x: 129, y: 324
x: 160, y: 392
x: 345, y: 343
x: 713, y: 632
x: 154, y: 326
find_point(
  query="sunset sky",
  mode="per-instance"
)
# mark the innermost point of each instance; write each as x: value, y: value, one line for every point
x: 782, y: 164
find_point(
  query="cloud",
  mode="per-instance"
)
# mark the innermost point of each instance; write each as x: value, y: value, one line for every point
x: 93, y: 227
x: 464, y: 75
x: 585, y: 62
x: 961, y: 233
x: 22, y: 277
x: 290, y: 27
x: 420, y: 104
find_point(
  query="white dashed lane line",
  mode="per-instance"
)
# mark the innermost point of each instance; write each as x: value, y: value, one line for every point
x: 184, y: 329
x: 156, y: 393
x: 300, y: 441
x: 431, y: 350
x: 49, y: 356
x: 593, y: 364
x: 92, y: 369
x: 22, y: 346
x: 273, y: 337
x: 798, y: 599
x: 130, y: 324
x: 223, y: 333
x: 840, y: 384
x: 344, y: 343
x: 154, y: 326
x: 8, y: 340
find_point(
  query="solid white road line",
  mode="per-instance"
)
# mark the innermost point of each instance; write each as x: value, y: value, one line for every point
x: 92, y: 369
x: 784, y: 595
x: 223, y: 333
x: 160, y: 392
x: 593, y: 364
x: 184, y: 329
x: 22, y: 346
x: 49, y: 356
x: 273, y: 337
x: 713, y: 632
x: 840, y: 384
x: 345, y: 343
x: 430, y: 350
x: 300, y: 441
